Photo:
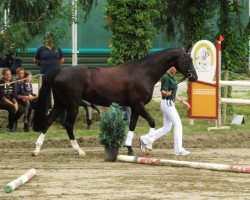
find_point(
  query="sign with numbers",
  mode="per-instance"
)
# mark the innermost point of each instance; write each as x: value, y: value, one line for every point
x: 203, y: 100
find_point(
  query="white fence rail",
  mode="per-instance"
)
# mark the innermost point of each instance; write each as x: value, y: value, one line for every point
x: 236, y: 101
x: 235, y: 83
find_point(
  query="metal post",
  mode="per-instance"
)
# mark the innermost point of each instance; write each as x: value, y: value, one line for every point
x: 5, y: 17
x: 249, y: 38
x: 224, y: 105
x: 6, y: 13
x: 218, y: 79
x: 74, y: 33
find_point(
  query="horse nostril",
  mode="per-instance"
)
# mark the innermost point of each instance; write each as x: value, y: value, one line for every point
x: 195, y: 79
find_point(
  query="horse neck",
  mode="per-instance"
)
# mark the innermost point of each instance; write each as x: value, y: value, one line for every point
x: 158, y: 64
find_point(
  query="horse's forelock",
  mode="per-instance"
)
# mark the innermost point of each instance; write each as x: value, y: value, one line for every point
x: 188, y: 67
x: 184, y: 64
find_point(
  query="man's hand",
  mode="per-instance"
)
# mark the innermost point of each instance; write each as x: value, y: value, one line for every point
x: 15, y: 105
x: 185, y: 104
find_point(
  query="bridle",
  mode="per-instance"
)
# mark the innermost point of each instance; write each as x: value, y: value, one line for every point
x: 189, y: 72
x: 188, y: 76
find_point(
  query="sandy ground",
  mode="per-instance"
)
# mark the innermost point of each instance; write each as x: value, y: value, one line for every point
x: 62, y: 174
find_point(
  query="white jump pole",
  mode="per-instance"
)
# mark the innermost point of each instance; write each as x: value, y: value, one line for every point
x: 20, y: 181
x: 176, y: 163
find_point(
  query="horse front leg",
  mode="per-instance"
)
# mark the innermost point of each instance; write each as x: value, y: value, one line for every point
x: 55, y: 112
x: 39, y: 144
x: 130, y: 135
x: 69, y: 125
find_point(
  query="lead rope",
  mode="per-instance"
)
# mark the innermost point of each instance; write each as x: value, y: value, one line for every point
x: 170, y: 102
x: 19, y: 80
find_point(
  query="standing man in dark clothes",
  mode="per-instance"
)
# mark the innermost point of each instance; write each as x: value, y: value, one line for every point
x: 48, y: 57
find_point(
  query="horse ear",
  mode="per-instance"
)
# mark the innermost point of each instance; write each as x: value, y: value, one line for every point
x: 187, y: 48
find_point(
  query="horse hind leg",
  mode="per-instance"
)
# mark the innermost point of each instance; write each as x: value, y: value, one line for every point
x: 69, y: 125
x: 88, y: 110
x: 130, y: 135
x: 96, y: 108
x: 55, y: 112
x: 89, y: 113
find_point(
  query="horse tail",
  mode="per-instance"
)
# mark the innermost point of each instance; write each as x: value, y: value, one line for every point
x: 41, y: 104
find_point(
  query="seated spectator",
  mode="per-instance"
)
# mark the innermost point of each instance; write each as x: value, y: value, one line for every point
x: 8, y: 100
x: 27, y: 98
x: 19, y: 73
x: 20, y: 78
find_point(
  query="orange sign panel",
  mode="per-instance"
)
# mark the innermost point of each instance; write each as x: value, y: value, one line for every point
x: 203, y: 100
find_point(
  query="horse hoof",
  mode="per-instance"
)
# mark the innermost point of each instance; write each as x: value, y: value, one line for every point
x: 148, y: 151
x: 35, y: 153
x: 82, y: 154
x: 130, y: 153
x: 130, y: 150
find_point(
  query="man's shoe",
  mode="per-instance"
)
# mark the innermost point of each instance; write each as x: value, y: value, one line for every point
x: 149, y: 148
x: 12, y: 130
x: 182, y: 153
x: 144, y: 147
x: 142, y: 144
x: 26, y: 127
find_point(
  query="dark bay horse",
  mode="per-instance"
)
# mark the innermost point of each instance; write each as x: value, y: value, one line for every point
x: 128, y: 84
x: 88, y: 108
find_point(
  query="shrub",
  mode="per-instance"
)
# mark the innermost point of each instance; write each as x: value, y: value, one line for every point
x: 112, y: 126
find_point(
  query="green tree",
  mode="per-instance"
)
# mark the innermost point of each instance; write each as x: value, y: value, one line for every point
x: 131, y: 23
x: 192, y: 20
x: 187, y: 20
x: 235, y: 45
x: 25, y: 20
x: 86, y: 6
x: 30, y: 18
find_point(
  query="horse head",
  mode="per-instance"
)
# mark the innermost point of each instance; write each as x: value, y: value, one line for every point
x: 186, y: 67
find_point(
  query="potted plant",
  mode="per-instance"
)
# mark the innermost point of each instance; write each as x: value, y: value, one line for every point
x: 112, y: 131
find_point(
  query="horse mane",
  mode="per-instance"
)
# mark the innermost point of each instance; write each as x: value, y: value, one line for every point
x: 150, y: 55
x: 134, y: 62
x: 94, y: 68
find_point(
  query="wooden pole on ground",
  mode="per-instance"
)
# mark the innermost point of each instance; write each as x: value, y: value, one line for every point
x: 176, y: 163
x: 20, y: 181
